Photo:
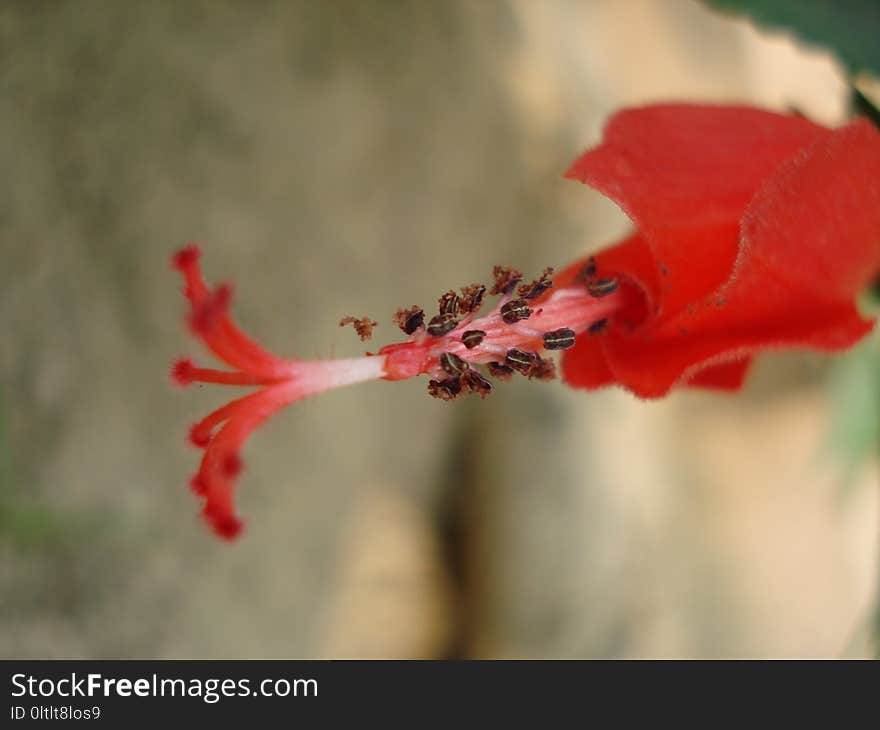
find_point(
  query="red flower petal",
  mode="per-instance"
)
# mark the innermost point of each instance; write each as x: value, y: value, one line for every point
x: 684, y: 174
x: 726, y: 376
x: 807, y: 244
x: 585, y: 365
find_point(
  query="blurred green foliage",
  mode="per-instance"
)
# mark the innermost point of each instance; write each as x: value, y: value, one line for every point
x: 24, y: 524
x: 855, y: 418
x: 855, y: 425
x: 850, y: 28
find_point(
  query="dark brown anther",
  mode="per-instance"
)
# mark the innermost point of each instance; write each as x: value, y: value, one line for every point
x: 497, y: 370
x: 473, y: 382
x: 472, y: 338
x: 441, y: 324
x: 409, y: 320
x: 449, y: 303
x: 538, y: 286
x: 587, y: 272
x: 446, y: 389
x: 506, y: 278
x: 452, y: 364
x: 515, y: 310
x: 520, y: 360
x: 543, y: 369
x: 598, y: 327
x: 362, y: 325
x: 601, y: 287
x: 471, y: 298
x: 560, y: 339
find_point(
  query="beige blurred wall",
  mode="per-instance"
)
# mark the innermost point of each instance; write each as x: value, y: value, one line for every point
x: 349, y: 158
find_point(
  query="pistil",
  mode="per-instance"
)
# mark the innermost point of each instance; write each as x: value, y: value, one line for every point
x: 450, y: 348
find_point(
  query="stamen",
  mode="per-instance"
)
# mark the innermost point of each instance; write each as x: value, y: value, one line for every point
x: 452, y: 364
x: 473, y: 382
x: 538, y: 286
x: 497, y: 370
x: 543, y: 369
x: 601, y: 287
x: 598, y: 327
x: 515, y: 310
x: 560, y: 339
x: 506, y: 279
x: 449, y: 303
x: 587, y: 272
x: 471, y: 298
x: 441, y: 324
x: 446, y: 389
x: 472, y: 338
x: 409, y: 320
x: 362, y: 325
x: 520, y: 360
x: 530, y: 364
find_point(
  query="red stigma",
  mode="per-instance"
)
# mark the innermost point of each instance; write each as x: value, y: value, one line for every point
x: 182, y: 372
x: 206, y: 316
x: 232, y: 465
x: 186, y: 257
x: 198, y: 436
x: 224, y: 525
x: 197, y: 485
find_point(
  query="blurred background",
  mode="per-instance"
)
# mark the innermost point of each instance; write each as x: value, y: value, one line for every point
x: 351, y: 157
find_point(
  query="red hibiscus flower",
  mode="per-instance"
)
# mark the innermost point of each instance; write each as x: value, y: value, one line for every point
x: 754, y: 231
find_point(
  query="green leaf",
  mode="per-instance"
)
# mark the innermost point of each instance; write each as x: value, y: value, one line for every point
x: 850, y: 28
